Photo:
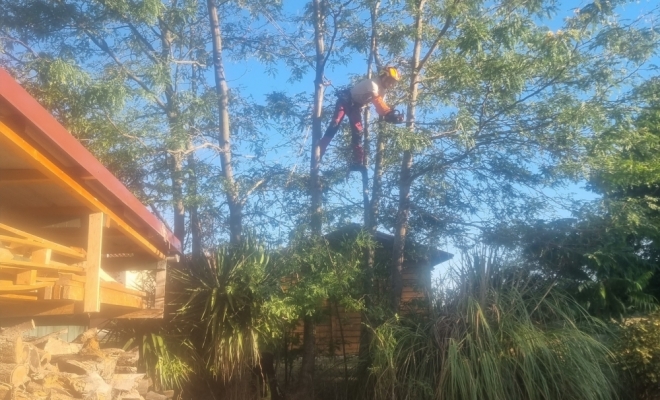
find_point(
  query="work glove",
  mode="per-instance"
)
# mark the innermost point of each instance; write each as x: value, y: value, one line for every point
x: 394, y: 117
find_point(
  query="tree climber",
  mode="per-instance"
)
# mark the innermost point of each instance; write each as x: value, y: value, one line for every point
x: 350, y: 103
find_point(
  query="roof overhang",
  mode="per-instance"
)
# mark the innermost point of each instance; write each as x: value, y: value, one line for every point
x: 37, y: 149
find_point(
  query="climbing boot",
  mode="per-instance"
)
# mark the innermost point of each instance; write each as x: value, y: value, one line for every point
x: 357, y: 158
x: 323, y: 144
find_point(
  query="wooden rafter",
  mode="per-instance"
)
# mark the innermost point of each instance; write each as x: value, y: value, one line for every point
x: 17, y: 264
x: 48, y: 168
x: 35, y: 241
x: 23, y: 288
x: 21, y: 176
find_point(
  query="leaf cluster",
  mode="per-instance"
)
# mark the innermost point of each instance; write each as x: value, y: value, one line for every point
x: 637, y: 350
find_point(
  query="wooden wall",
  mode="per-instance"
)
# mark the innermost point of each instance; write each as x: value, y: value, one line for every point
x: 339, y: 329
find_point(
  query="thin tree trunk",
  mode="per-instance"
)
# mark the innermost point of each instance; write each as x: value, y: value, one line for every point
x: 177, y: 144
x: 306, y: 380
x: 193, y: 209
x: 222, y: 91
x: 405, y: 177
x: 370, y: 208
x: 316, y: 193
x: 195, y: 226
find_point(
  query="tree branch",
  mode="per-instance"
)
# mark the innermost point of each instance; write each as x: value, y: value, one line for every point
x: 436, y: 42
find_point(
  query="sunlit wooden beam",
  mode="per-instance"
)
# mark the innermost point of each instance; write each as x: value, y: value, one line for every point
x: 39, y: 161
x: 21, y: 177
x: 92, y: 302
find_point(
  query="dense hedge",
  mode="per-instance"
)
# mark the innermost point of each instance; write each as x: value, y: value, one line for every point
x: 638, y: 353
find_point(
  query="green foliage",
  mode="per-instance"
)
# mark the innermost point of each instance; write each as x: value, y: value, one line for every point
x: 637, y: 351
x: 164, y: 352
x: 496, y: 335
x: 320, y: 269
x: 600, y: 261
x: 221, y: 305
x: 162, y: 361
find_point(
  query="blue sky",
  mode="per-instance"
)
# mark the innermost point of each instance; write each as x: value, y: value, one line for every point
x: 252, y: 79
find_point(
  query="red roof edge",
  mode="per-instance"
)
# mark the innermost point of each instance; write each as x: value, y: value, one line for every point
x: 59, y: 137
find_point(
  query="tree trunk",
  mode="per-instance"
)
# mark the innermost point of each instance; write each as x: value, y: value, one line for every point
x: 405, y: 177
x: 193, y: 179
x: 370, y: 207
x: 193, y: 209
x: 224, y: 136
x: 176, y: 144
x: 306, y: 380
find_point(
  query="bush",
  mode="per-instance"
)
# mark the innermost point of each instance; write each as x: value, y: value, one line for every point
x: 638, y: 354
x: 495, y: 336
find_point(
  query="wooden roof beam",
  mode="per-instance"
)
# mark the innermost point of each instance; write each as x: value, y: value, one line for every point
x: 21, y: 176
x: 30, y: 240
x: 48, y: 168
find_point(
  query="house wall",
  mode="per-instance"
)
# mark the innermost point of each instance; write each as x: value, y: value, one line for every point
x: 339, y: 329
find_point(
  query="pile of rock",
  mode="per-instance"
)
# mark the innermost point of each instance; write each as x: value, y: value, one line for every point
x: 48, y: 368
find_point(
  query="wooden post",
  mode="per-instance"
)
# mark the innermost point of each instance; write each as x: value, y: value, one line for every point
x: 161, y: 276
x: 92, y: 301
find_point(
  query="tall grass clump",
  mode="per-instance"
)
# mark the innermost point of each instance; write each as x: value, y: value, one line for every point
x: 495, y: 334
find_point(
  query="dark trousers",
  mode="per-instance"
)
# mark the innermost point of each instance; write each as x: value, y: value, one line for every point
x: 346, y: 107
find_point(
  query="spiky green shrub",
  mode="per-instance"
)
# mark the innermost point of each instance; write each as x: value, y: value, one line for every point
x: 220, y: 304
x: 494, y: 337
x: 638, y: 354
x: 164, y: 353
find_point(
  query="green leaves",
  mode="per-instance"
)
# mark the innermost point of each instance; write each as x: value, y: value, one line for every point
x: 637, y: 350
x: 222, y: 305
x: 317, y: 270
x: 493, y: 325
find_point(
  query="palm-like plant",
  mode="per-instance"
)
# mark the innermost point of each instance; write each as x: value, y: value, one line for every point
x: 496, y: 336
x: 220, y: 305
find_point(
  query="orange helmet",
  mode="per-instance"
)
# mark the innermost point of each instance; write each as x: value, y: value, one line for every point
x: 389, y: 72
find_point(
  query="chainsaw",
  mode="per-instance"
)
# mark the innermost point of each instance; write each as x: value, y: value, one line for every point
x: 394, y: 117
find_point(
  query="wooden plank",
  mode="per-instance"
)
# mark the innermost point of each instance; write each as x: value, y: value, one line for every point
x: 92, y: 301
x: 27, y: 239
x: 41, y: 256
x: 41, y: 308
x: 21, y: 176
x: 71, y: 279
x: 150, y: 313
x: 48, y: 168
x: 23, y: 288
x: 121, y: 288
x: 76, y: 293
x: 5, y: 253
x: 57, y: 292
x: 16, y: 264
x: 135, y: 263
x: 47, y: 279
x: 106, y: 296
x: 17, y: 297
x: 116, y: 298
x: 77, y: 280
x: 161, y: 276
x: 45, y: 293
x: 28, y: 277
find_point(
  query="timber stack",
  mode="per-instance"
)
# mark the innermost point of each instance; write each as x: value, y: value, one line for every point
x: 48, y: 368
